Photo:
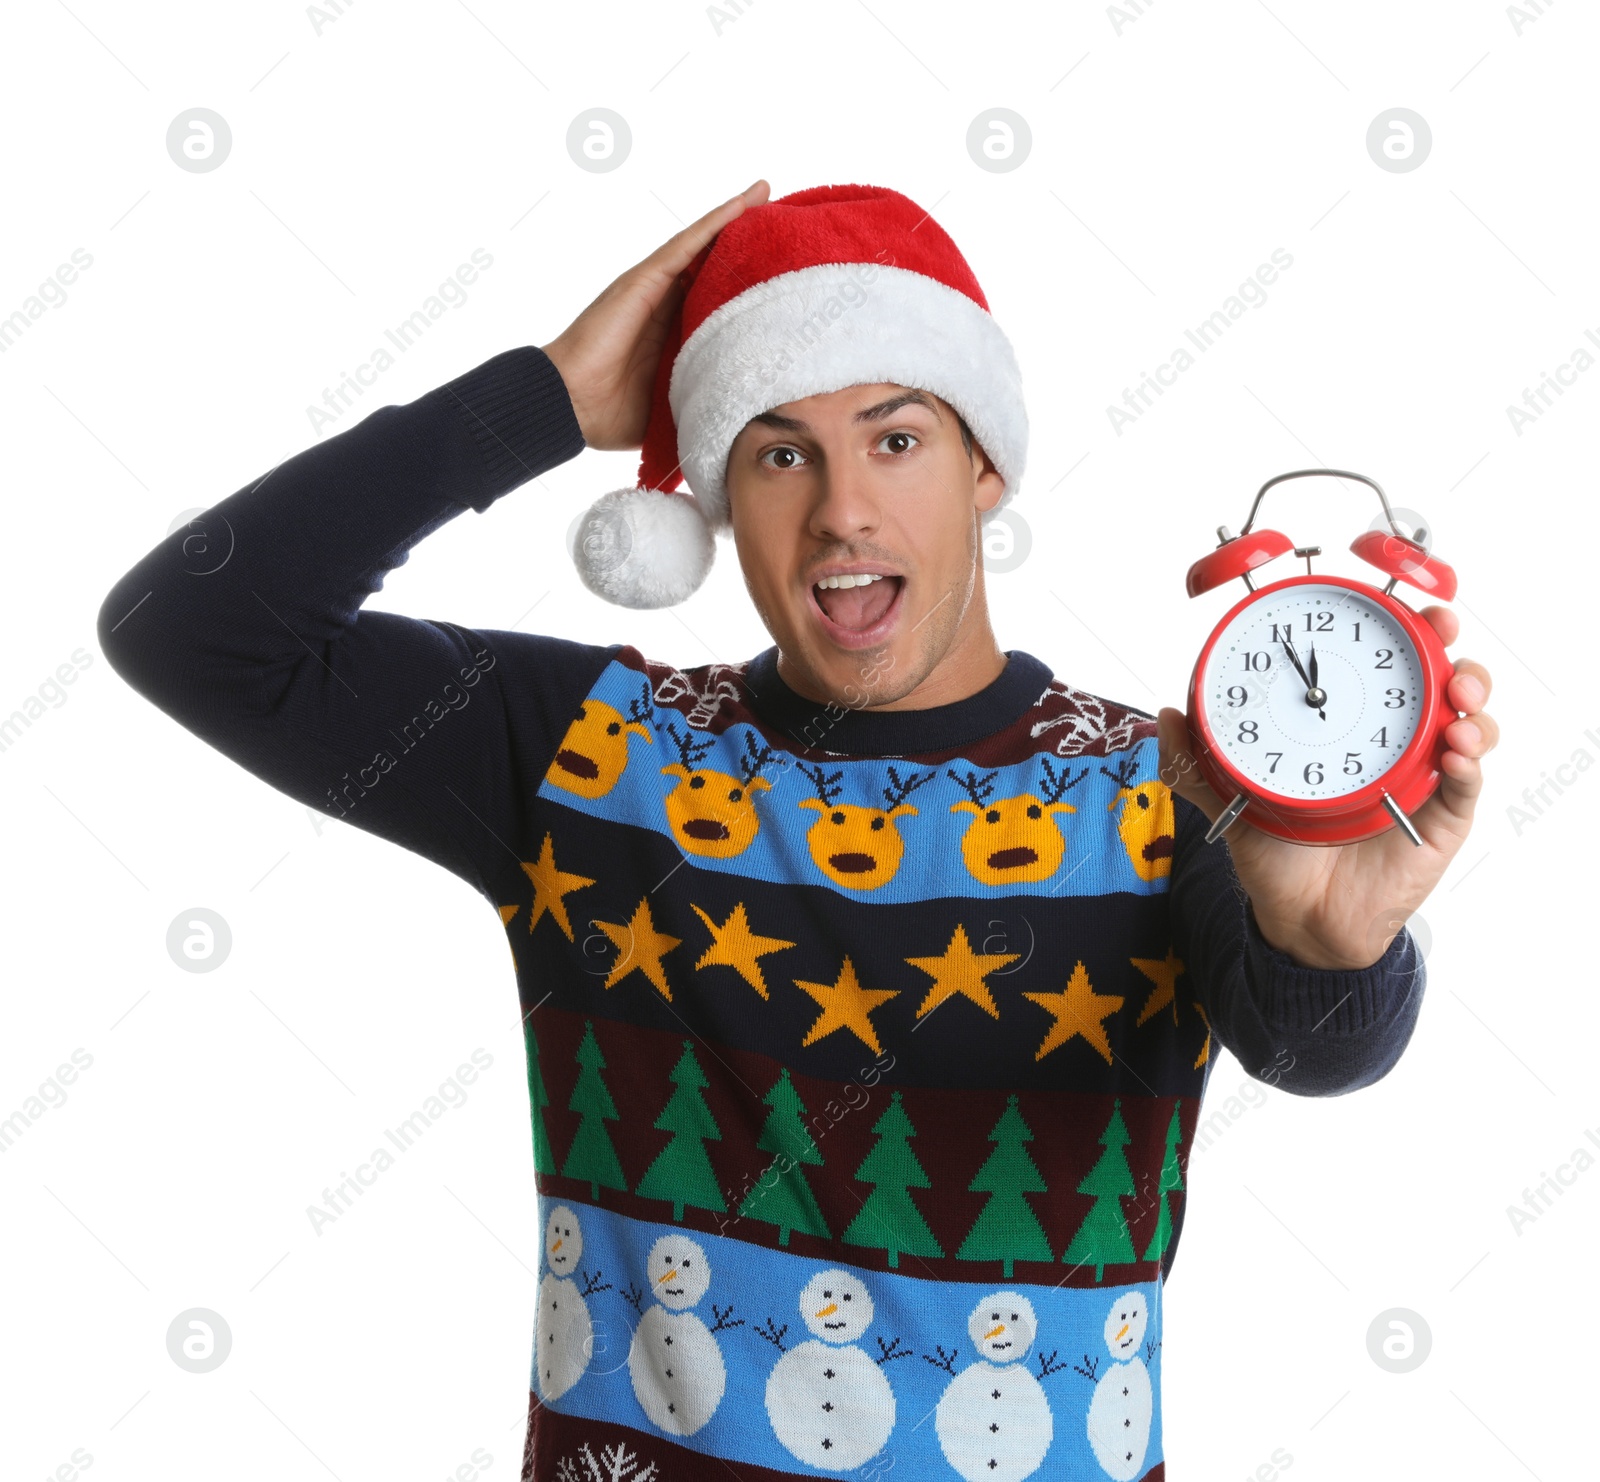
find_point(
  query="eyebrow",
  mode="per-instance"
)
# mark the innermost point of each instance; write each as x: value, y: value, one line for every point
x: 874, y: 413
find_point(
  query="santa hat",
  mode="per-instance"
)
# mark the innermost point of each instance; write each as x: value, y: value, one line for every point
x: 839, y: 285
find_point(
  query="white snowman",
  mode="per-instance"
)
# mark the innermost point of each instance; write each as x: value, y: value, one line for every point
x: 830, y: 1403
x: 1119, y: 1413
x: 674, y: 1361
x: 566, y: 1332
x: 993, y: 1421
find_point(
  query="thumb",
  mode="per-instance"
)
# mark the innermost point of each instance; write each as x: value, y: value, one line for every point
x: 1179, y: 769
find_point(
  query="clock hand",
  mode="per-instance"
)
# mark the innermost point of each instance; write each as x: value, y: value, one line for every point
x: 1294, y: 659
x: 1313, y: 662
x: 1314, y: 696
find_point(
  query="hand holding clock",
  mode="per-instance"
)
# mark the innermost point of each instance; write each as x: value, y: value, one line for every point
x: 1319, y: 903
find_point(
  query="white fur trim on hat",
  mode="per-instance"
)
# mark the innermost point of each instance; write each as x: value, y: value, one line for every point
x: 644, y: 548
x: 823, y: 328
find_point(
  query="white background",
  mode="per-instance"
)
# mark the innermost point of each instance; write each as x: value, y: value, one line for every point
x: 1171, y: 153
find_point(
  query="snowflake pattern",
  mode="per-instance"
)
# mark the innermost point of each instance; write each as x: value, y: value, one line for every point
x: 614, y: 1464
x: 1084, y: 716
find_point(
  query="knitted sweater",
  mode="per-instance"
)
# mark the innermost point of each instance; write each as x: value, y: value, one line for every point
x: 865, y: 1050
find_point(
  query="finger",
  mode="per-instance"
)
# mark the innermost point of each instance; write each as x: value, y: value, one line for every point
x: 1445, y: 623
x: 1474, y: 735
x: 677, y: 252
x: 1179, y: 770
x: 1469, y: 686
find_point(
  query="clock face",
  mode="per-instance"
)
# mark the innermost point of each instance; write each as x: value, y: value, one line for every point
x: 1312, y: 733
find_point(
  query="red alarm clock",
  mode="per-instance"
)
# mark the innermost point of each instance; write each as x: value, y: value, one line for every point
x: 1317, y: 707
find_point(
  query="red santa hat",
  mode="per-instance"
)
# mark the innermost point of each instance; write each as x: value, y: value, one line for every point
x: 839, y: 285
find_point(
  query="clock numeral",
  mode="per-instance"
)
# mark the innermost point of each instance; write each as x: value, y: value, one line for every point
x: 1277, y: 756
x: 1242, y: 693
x: 1382, y: 738
x: 1283, y: 632
x: 1385, y: 659
x: 1358, y: 631
x: 1309, y: 769
x: 1247, y: 731
x: 1324, y: 623
x: 1396, y: 699
x: 1349, y: 757
x: 1258, y: 661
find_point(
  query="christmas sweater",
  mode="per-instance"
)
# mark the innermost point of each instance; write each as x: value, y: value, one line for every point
x: 865, y: 1051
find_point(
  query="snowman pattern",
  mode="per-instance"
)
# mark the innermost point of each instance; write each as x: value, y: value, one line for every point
x: 565, y: 1331
x: 993, y: 1421
x: 1119, y: 1413
x: 674, y: 1361
x: 829, y: 1401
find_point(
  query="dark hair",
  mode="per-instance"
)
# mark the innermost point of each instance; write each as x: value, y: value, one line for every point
x: 966, y: 433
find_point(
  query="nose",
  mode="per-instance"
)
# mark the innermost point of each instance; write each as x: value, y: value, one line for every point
x: 1122, y: 1332
x: 557, y: 1246
x: 846, y: 507
x: 668, y: 1276
x: 994, y: 1332
x: 829, y: 1310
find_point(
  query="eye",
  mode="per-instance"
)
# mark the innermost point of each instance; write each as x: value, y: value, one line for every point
x: 613, y: 728
x: 1035, y: 811
x: 697, y: 782
x: 1142, y: 800
x: 905, y: 439
x: 836, y: 818
x: 687, y: 1263
x: 847, y: 1296
x: 735, y: 795
x: 583, y: 713
x: 877, y: 822
x: 785, y: 452
x: 992, y: 816
x: 1013, y: 1317
x: 826, y: 1292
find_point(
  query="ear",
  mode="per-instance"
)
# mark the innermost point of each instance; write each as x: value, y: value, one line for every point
x: 638, y: 730
x: 756, y: 782
x: 1113, y: 803
x: 678, y: 770
x: 902, y: 811
x: 1060, y: 808
x: 965, y: 807
x: 988, y: 485
x: 821, y: 807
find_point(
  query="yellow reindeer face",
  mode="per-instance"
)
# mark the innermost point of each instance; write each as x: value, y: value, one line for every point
x: 712, y: 813
x: 859, y: 848
x: 1147, y: 827
x: 594, y: 752
x: 1012, y: 839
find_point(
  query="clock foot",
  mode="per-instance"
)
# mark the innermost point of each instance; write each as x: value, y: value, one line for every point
x: 1400, y: 818
x: 1225, y: 819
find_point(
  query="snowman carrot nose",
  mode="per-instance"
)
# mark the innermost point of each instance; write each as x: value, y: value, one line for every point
x: 829, y: 1310
x: 668, y: 1276
x: 994, y: 1332
x: 1123, y: 1329
x: 557, y: 1246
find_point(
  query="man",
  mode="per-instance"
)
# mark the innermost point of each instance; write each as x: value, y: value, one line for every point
x: 870, y: 987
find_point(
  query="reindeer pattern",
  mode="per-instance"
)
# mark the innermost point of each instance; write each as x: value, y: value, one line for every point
x: 1056, y: 821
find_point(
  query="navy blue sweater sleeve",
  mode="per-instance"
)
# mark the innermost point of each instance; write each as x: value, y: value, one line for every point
x: 245, y: 626
x: 1311, y: 1031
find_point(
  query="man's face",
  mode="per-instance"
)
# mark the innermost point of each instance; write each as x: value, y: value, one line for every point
x: 870, y: 484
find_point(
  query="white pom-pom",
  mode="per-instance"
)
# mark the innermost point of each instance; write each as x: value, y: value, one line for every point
x: 644, y: 548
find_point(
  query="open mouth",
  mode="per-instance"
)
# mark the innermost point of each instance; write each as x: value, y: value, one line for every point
x: 853, y: 864
x: 858, y: 608
x: 706, y: 828
x: 1012, y: 859
x: 577, y: 763
x: 1159, y: 848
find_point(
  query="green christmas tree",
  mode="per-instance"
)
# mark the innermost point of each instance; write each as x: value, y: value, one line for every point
x: 682, y: 1170
x: 1102, y: 1239
x: 1171, y: 1178
x: 1007, y: 1230
x: 591, y: 1156
x: 786, y: 1201
x: 889, y: 1220
x: 544, y: 1160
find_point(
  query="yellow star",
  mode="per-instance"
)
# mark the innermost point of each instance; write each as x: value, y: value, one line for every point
x: 639, y: 945
x: 549, y: 886
x: 961, y: 970
x: 846, y: 1005
x: 1205, y: 1049
x: 506, y: 913
x: 1079, y: 1010
x: 1163, y: 972
x: 734, y: 945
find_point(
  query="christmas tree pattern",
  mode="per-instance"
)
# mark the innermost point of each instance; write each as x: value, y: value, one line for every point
x: 1171, y: 1178
x: 889, y: 1220
x: 544, y: 1160
x: 787, y: 1203
x: 1007, y: 1230
x: 1102, y: 1239
x: 682, y: 1171
x: 591, y: 1157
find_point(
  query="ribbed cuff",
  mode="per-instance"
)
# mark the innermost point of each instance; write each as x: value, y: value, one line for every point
x: 519, y: 416
x: 1334, y: 1001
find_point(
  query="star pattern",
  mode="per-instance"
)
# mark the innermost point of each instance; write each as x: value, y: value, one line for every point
x: 1078, y: 1010
x: 1163, y: 972
x: 1205, y: 1049
x: 639, y: 947
x: 735, y: 945
x: 550, y: 887
x: 846, y: 1005
x: 961, y: 971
